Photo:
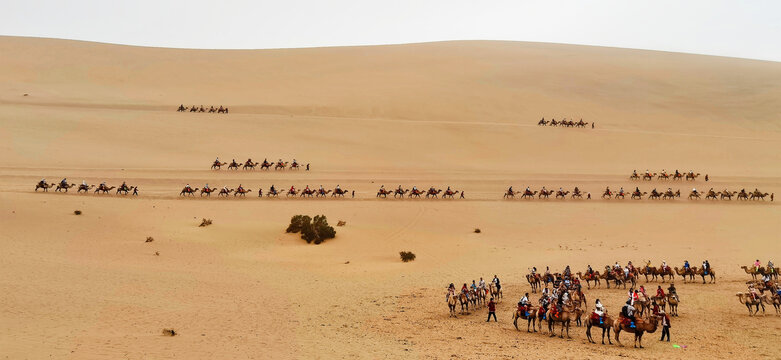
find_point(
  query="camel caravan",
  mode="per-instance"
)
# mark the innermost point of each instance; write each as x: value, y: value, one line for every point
x: 474, y: 295
x: 664, y: 175
x: 564, y: 304
x: 102, y: 188
x: 763, y: 289
x: 201, y: 109
x: 637, y: 194
x: 265, y: 165
x: 432, y: 193
x: 273, y: 191
x: 564, y: 123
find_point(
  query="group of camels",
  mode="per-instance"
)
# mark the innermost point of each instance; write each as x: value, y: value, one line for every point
x: 564, y: 123
x: 123, y: 189
x: 250, y: 165
x: 414, y: 192
x: 637, y: 194
x: 272, y: 192
x: 648, y: 176
x: 766, y: 292
x: 728, y: 195
x: 475, y: 297
x: 201, y: 109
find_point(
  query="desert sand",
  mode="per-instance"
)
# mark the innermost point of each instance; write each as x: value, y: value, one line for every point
x: 460, y: 114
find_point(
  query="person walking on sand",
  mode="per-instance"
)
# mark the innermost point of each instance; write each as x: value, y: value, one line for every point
x: 491, y: 310
x: 462, y: 195
x: 665, y: 325
x: 307, y: 166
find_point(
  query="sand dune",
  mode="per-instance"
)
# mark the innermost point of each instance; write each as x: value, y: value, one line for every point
x: 458, y: 114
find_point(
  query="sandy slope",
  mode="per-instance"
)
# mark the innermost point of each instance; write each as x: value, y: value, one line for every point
x: 456, y: 113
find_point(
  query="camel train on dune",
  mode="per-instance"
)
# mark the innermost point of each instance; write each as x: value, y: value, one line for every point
x: 251, y: 165
x: 201, y: 109
x: 564, y: 123
x: 64, y: 186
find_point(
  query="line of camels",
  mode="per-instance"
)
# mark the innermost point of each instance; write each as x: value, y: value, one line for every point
x: 251, y: 165
x: 240, y: 191
x: 564, y: 123
x: 415, y: 193
x: 769, y: 292
x: 663, y: 175
x: 637, y: 194
x: 201, y: 109
x: 123, y: 189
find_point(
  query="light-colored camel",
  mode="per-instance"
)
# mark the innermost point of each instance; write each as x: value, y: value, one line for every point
x: 641, y: 327
x: 564, y: 318
x: 748, y: 300
x: 588, y: 278
x: 530, y: 315
x: 711, y: 273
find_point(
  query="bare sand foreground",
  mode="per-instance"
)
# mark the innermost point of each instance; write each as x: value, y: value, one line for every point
x: 458, y: 114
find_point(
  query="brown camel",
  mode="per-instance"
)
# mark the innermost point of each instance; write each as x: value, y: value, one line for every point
x: 207, y: 191
x: 684, y: 273
x: 641, y: 326
x: 562, y: 194
x: 217, y: 165
x: 509, y: 194
x: 104, y: 189
x: 84, y: 188
x: 225, y: 192
x: 451, y: 303
x: 384, y: 193
x: 726, y: 195
x: 44, y: 186
x: 496, y: 293
x: 534, y: 281
x: 66, y: 187
x: 749, y: 300
x: 188, y: 191
x: 606, y: 323
x: 564, y: 318
x: 588, y: 278
x: 711, y: 273
x: 692, y: 176
x: 673, y: 302
x: 528, y: 194
x: 530, y: 315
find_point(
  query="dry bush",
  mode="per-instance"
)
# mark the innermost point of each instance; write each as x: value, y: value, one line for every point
x: 407, y: 256
x: 477, y: 230
x: 341, y: 223
x: 149, y: 239
x: 205, y: 222
x: 314, y: 230
x: 169, y: 332
x: 77, y: 212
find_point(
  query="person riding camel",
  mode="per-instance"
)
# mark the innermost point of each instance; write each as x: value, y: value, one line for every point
x: 84, y: 183
x: 753, y: 291
x: 481, y: 284
x: 528, y: 189
x: 42, y: 182
x: 677, y: 174
x: 659, y: 292
x: 770, y: 267
x: 123, y: 186
x: 637, y: 189
x: 240, y: 189
x: 642, y: 291
x: 672, y: 292
x: 451, y: 290
x: 567, y: 272
x: 664, y: 265
x: 686, y: 265
x: 757, y: 265
x: 630, y: 266
x: 292, y: 189
x: 465, y: 291
x: 628, y: 311
x: 599, y: 309
x: 634, y: 173
x: 64, y: 182
x: 523, y: 304
x: 473, y: 287
x: 414, y: 189
x: 616, y: 267
x: 621, y: 191
x: 648, y: 266
x: 705, y: 267
x: 187, y: 188
x: 694, y: 191
x: 272, y: 190
x: 497, y: 284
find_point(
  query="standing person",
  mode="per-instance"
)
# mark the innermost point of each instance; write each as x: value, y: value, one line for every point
x: 462, y: 195
x: 353, y: 194
x: 491, y: 310
x: 665, y: 326
x: 307, y: 166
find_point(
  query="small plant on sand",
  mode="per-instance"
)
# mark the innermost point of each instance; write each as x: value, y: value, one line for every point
x: 477, y: 230
x: 407, y: 256
x: 341, y: 223
x: 169, y: 332
x: 77, y: 212
x: 149, y: 239
x: 314, y: 230
x: 205, y: 222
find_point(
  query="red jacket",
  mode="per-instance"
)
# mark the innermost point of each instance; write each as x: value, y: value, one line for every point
x: 491, y: 306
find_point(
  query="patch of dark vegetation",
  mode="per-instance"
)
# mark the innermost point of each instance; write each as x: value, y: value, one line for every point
x: 169, y: 332
x: 77, y: 212
x: 314, y: 230
x: 477, y: 230
x: 407, y: 256
x: 205, y: 222
x: 149, y: 239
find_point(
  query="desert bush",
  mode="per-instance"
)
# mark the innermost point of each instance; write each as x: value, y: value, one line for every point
x: 169, y: 332
x: 314, y: 230
x: 341, y: 223
x: 407, y: 256
x: 477, y: 230
x: 205, y: 222
x: 149, y: 239
x: 77, y: 212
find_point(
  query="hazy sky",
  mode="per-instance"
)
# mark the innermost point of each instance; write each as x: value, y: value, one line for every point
x: 745, y: 28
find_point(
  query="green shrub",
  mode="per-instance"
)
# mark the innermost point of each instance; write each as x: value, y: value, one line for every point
x: 407, y: 256
x: 316, y: 230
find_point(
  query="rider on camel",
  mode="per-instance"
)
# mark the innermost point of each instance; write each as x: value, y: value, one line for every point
x: 64, y: 182
x: 628, y: 311
x: 671, y: 290
x: 770, y: 267
x: 599, y: 309
x: 686, y: 265
x: 664, y: 265
x: 705, y: 267
x: 292, y: 189
x: 187, y: 187
x: 240, y: 189
x: 497, y: 283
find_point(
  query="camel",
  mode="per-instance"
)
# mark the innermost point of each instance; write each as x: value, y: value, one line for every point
x: 564, y: 317
x: 233, y: 165
x: 529, y: 314
x: 607, y: 194
x: 753, y: 271
x: 648, y: 176
x: 641, y: 327
x: 562, y: 194
x: 685, y: 273
x: 322, y: 192
x: 65, y: 187
x: 274, y: 192
x: 400, y: 193
x: 217, y: 165
x: 84, y: 188
x: 581, y: 124
x: 44, y: 186
x: 673, y: 302
x: 280, y: 165
x: 634, y: 176
x: 649, y: 271
x: 496, y: 293
x: 692, y: 176
x: 265, y: 165
x: 654, y: 195
x: 638, y: 195
x: 416, y: 193
x: 339, y: 192
x: 241, y: 192
x: 711, y: 273
x: 295, y: 166
x: 544, y: 192
x: 249, y: 165
x: 542, y: 122
x: 662, y: 272
x: 450, y: 194
x: 207, y: 191
x: 672, y: 195
x: 694, y: 195
x: 749, y: 300
x: 307, y: 192
x: 188, y: 191
x: 193, y: 109
x: 509, y: 194
x: 384, y: 193
x: 292, y: 192
x: 528, y: 194
x: 433, y: 193
x: 663, y: 176
x: 727, y: 195
x: 451, y: 303
x: 104, y: 189
x: 577, y: 194
x: 758, y: 196
x: 620, y: 194
x: 181, y: 108
x: 712, y: 195
x: 225, y: 192
x: 677, y: 176
x: 554, y: 123
x: 588, y: 278
x: 124, y: 189
x: 606, y: 323
x: 534, y: 281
